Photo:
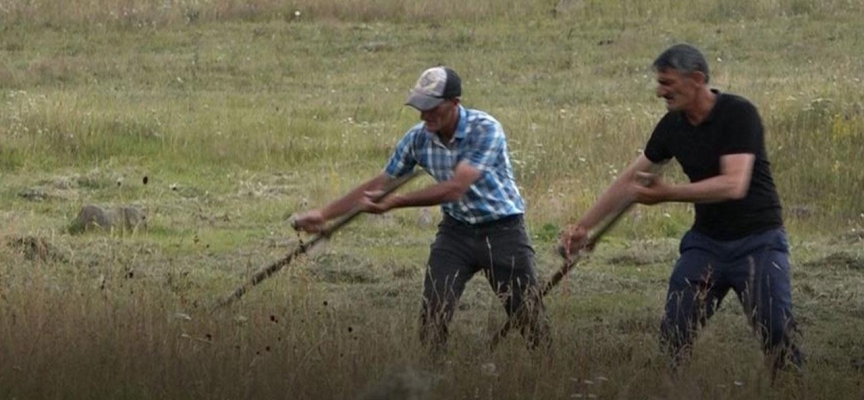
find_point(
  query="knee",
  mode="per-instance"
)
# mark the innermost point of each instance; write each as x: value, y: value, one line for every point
x: 679, y: 303
x: 674, y: 329
x: 680, y: 318
x: 436, y: 306
x: 440, y: 295
x: 776, y: 331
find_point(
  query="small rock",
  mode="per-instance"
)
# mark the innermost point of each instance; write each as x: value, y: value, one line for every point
x: 33, y: 195
x: 801, y: 211
x: 383, y: 220
x: 402, y: 383
x: 373, y: 47
x: 425, y: 219
x: 568, y: 6
x: 119, y: 218
x: 183, y: 316
x: 489, y: 369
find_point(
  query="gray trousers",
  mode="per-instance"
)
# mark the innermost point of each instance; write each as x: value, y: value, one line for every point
x: 503, y: 252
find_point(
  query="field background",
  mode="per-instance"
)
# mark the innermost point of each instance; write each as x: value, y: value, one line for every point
x: 239, y: 113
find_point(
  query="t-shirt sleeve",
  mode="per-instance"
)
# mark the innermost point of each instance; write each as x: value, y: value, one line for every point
x: 657, y: 150
x: 403, y: 159
x: 743, y: 132
x: 486, y: 146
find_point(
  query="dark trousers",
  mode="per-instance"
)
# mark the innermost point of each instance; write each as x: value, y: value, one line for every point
x: 755, y: 267
x: 502, y: 250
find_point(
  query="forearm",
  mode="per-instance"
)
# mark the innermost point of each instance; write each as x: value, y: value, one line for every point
x: 733, y: 182
x: 615, y: 199
x: 346, y: 203
x: 618, y: 196
x: 443, y: 192
x: 711, y: 190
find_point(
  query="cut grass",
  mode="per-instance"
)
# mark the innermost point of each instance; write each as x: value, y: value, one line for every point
x: 240, y: 113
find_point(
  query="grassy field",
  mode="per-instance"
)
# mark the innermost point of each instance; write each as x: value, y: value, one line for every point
x: 222, y: 117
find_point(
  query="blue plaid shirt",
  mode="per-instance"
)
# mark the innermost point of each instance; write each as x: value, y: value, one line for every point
x: 479, y: 140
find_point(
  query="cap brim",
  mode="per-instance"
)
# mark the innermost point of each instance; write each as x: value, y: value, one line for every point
x: 423, y: 102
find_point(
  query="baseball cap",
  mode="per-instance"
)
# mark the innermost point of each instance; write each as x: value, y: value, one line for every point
x: 434, y: 86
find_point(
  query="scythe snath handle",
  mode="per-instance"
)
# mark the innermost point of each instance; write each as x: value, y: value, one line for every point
x: 592, y: 238
x: 302, y: 248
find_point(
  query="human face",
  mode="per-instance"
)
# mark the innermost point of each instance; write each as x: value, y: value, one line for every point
x: 677, y: 88
x: 442, y: 118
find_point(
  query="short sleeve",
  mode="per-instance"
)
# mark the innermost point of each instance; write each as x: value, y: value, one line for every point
x: 487, y: 145
x: 403, y: 159
x: 657, y: 149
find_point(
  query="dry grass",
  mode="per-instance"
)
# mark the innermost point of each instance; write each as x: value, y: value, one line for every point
x: 241, y: 112
x: 168, y: 12
x: 121, y: 321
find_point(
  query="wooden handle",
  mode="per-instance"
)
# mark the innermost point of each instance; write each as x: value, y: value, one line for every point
x: 271, y: 269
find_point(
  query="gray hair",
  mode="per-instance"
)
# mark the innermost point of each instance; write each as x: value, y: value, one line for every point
x: 683, y: 58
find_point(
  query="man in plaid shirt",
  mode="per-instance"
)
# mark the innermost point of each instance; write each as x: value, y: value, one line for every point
x: 482, y: 229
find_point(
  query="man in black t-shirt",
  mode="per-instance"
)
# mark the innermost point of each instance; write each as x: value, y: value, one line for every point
x: 737, y: 240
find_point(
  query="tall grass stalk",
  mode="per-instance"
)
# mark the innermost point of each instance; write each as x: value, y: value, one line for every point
x: 223, y: 117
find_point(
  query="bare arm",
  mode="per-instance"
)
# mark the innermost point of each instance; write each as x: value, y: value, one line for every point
x: 314, y: 220
x: 637, y: 184
x: 617, y: 196
x: 614, y: 200
x: 341, y: 206
x: 732, y: 183
x: 464, y: 175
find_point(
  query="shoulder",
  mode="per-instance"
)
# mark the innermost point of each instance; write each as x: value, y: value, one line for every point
x: 736, y: 104
x: 415, y: 135
x: 479, y: 116
x: 415, y: 130
x: 483, y: 121
x: 669, y: 122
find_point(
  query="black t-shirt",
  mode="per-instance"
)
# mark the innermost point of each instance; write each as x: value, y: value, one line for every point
x: 732, y: 127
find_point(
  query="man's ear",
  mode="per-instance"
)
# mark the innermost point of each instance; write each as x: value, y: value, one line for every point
x: 698, y: 77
